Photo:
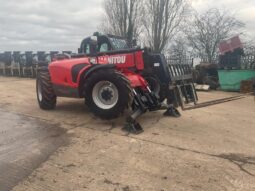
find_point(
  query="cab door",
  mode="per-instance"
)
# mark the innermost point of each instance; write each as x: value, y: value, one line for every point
x: 88, y: 47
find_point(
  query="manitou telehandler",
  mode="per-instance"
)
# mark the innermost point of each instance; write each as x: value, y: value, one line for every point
x: 113, y: 77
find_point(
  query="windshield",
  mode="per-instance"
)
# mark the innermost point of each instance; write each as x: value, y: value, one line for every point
x: 119, y: 44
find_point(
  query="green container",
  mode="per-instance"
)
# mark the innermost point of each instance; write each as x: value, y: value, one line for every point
x: 230, y: 80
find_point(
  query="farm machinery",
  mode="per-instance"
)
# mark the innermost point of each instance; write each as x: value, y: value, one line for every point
x: 23, y: 64
x: 113, y: 77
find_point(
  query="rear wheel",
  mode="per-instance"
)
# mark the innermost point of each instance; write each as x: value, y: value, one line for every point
x: 108, y: 93
x: 45, y: 93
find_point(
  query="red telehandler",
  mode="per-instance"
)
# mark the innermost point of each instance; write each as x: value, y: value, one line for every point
x: 113, y: 77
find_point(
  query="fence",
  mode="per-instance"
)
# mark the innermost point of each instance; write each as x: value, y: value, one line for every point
x: 246, y: 62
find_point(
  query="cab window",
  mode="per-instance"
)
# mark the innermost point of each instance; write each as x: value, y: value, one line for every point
x: 104, y: 47
x: 87, y: 48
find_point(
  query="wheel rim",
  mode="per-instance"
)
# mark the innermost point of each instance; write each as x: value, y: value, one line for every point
x: 39, y: 91
x: 105, y: 95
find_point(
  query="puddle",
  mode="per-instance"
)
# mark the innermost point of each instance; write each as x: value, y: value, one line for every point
x: 25, y: 143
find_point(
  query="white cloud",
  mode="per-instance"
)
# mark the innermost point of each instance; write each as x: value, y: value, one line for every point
x: 62, y: 24
x: 46, y: 24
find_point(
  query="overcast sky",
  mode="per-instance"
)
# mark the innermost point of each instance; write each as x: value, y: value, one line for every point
x: 61, y: 24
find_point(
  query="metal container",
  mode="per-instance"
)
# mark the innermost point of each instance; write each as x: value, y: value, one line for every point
x: 230, y: 80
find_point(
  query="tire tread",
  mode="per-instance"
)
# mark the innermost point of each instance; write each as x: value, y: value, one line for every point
x: 49, y: 98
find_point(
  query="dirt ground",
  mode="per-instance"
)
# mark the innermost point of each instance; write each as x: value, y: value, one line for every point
x: 209, y: 149
x: 25, y: 143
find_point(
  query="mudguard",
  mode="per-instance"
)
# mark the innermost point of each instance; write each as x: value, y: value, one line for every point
x: 86, y: 73
x: 95, y: 67
x: 136, y: 80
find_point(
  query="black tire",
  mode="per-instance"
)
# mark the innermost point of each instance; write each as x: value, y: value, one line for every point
x: 122, y: 84
x: 46, y: 96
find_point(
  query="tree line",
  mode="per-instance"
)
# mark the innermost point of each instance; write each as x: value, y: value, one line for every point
x: 170, y: 26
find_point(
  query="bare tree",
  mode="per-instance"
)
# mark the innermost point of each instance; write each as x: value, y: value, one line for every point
x: 205, y: 31
x: 249, y: 45
x: 123, y: 18
x: 162, y: 20
x: 178, y: 48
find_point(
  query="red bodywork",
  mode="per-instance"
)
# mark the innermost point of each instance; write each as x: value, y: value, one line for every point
x: 61, y: 70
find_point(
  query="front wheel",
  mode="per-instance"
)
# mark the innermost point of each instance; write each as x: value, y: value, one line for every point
x: 108, y: 93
